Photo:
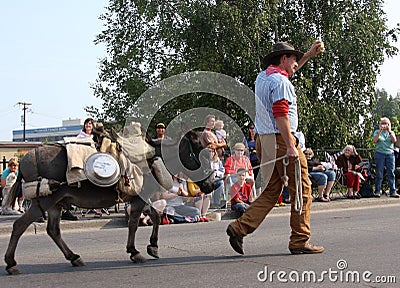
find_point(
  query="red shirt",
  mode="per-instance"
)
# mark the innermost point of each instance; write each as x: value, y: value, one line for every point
x: 243, y: 193
x: 232, y: 164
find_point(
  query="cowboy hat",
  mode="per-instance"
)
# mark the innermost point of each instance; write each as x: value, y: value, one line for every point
x: 281, y: 48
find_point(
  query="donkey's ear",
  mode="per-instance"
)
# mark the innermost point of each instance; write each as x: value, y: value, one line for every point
x: 184, y: 129
x: 192, y: 135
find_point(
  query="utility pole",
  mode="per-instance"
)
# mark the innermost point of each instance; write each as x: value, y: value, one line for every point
x: 24, y: 108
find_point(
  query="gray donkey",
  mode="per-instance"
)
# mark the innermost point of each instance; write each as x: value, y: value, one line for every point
x: 50, y: 161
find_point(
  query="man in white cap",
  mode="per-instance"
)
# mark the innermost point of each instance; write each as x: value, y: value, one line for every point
x: 160, y: 132
x: 276, y: 122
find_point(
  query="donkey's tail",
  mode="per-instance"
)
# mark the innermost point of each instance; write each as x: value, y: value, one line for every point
x: 13, y: 194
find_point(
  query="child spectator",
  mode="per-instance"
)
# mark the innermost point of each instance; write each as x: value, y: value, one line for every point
x: 219, y: 130
x: 241, y: 194
x: 221, y: 136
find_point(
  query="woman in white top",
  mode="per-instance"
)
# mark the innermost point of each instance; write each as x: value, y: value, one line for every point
x: 87, y: 128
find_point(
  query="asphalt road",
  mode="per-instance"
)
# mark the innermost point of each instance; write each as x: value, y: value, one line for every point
x: 362, y: 241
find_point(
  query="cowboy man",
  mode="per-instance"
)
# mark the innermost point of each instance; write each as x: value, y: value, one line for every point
x: 276, y: 122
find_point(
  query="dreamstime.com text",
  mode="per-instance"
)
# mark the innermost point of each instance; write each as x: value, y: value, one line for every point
x: 339, y: 275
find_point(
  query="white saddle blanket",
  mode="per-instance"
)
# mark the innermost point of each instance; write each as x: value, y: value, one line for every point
x: 78, y: 150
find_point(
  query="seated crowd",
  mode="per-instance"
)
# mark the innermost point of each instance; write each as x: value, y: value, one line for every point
x: 323, y: 175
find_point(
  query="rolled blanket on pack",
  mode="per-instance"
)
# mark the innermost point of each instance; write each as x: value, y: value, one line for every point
x: 78, y: 150
x: 41, y: 188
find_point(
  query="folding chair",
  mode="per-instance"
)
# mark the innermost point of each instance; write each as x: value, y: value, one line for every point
x: 340, y: 185
x: 314, y: 187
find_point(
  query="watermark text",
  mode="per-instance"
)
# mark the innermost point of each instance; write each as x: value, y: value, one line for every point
x: 340, y: 274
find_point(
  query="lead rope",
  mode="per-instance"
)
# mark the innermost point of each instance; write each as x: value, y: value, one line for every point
x: 254, y: 167
x: 298, y: 201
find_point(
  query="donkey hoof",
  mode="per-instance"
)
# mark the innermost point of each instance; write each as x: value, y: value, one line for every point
x: 78, y: 262
x: 152, y: 251
x: 138, y: 258
x: 13, y: 270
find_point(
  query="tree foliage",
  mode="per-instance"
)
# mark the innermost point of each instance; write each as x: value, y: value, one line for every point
x: 151, y: 40
x: 387, y: 106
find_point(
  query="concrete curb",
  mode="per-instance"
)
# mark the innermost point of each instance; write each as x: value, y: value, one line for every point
x: 118, y: 220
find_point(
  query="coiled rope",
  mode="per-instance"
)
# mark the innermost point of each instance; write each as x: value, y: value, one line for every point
x: 298, y: 201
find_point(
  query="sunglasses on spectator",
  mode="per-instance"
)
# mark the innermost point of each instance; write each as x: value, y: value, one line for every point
x: 240, y: 150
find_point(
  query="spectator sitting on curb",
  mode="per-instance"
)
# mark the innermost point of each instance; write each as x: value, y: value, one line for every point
x: 241, y: 194
x: 175, y: 204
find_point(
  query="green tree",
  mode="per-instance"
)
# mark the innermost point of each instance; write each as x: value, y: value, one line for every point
x: 149, y: 40
x: 338, y: 90
x: 386, y: 106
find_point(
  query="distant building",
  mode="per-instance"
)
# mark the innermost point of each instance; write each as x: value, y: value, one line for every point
x: 69, y: 128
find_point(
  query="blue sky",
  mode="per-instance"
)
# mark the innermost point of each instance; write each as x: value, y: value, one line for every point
x: 48, y: 58
x: 389, y: 76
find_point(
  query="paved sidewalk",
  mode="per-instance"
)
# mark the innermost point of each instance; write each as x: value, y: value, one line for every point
x: 118, y: 220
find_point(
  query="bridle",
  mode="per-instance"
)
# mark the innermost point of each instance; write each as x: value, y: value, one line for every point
x: 193, y: 157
